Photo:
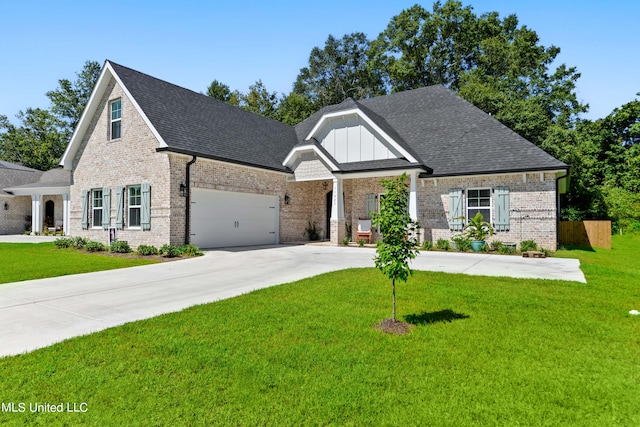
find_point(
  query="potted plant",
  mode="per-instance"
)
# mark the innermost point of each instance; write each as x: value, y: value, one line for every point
x: 477, y: 229
x: 311, y: 231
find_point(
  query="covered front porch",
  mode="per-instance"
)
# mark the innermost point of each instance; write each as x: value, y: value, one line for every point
x: 335, y: 204
x: 50, y: 201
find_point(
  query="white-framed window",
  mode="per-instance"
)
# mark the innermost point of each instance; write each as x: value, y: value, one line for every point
x: 96, y: 207
x: 115, y: 119
x: 134, y: 200
x: 479, y: 200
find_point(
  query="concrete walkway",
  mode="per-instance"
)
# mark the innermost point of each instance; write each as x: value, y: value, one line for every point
x: 38, y: 313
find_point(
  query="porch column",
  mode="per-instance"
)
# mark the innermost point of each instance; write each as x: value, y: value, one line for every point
x: 65, y: 213
x: 338, y: 230
x: 36, y: 213
x: 413, y: 196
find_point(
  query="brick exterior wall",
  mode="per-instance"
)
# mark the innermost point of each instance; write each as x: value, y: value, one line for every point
x: 532, y: 206
x: 14, y: 219
x: 129, y: 160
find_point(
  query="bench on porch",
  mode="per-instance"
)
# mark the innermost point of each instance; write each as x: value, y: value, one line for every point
x: 364, y: 230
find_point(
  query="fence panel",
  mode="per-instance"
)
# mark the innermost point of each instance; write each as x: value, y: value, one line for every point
x: 586, y: 233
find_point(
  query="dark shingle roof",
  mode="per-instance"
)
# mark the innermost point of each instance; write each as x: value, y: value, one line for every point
x: 441, y: 130
x: 454, y: 137
x: 447, y: 133
x: 193, y: 123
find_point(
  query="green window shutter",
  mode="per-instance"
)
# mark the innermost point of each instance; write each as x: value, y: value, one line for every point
x: 455, y: 209
x: 106, y: 208
x: 370, y: 205
x: 85, y: 210
x: 119, y: 208
x: 502, y: 208
x: 145, y: 211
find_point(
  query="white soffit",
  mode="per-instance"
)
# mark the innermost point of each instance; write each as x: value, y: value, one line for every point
x: 363, y: 116
x: 296, y: 151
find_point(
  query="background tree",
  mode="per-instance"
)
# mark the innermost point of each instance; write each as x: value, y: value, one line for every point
x: 222, y: 92
x: 419, y: 48
x: 398, y: 234
x: 260, y: 101
x: 70, y: 98
x: 338, y: 71
x: 294, y: 108
x: 38, y: 142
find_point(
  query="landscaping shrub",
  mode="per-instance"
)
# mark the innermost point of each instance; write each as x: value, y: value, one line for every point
x: 427, y: 245
x: 63, y: 242
x: 80, y: 242
x: 147, y: 250
x: 92, y: 246
x: 361, y: 242
x: 496, y: 245
x: 120, y: 246
x: 506, y: 250
x: 170, y: 251
x: 443, y: 244
x: 528, y: 245
x: 190, y: 250
x: 345, y: 241
x: 462, y: 243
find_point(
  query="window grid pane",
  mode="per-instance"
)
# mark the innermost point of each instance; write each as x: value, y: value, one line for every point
x: 135, y: 202
x: 479, y: 200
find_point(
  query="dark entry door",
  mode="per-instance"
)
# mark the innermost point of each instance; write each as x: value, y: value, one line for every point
x: 328, y: 216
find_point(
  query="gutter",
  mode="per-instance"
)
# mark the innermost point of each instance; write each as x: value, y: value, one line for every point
x: 187, y: 210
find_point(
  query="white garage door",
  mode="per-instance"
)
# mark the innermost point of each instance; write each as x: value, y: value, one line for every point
x: 225, y: 218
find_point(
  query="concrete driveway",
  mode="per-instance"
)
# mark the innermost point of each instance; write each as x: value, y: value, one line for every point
x: 38, y: 313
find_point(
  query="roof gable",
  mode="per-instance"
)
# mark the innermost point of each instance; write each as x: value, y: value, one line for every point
x: 188, y: 122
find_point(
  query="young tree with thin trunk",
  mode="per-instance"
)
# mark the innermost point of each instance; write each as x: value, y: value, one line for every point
x: 398, y: 231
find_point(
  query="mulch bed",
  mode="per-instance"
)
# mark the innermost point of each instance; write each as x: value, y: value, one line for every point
x: 390, y: 326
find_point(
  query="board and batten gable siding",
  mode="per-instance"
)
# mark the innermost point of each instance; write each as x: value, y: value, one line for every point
x: 531, y: 205
x: 129, y: 160
x: 350, y: 139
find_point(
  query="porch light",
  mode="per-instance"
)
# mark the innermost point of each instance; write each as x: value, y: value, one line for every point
x: 324, y: 184
x: 287, y: 199
x: 183, y: 190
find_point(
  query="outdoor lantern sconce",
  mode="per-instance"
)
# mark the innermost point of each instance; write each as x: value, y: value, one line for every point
x: 6, y: 206
x: 287, y: 199
x: 183, y: 190
x: 324, y: 184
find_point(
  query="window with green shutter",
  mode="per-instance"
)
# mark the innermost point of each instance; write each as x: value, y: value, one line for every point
x: 502, y: 208
x: 455, y: 209
x: 370, y: 205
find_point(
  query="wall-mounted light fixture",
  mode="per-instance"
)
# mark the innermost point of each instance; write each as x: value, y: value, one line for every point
x: 6, y: 206
x: 183, y: 190
x: 287, y: 199
x: 325, y: 184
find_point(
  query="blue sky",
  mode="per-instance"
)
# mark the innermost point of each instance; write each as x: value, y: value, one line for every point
x: 190, y: 43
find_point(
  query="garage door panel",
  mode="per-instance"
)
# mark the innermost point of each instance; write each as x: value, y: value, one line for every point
x: 223, y: 218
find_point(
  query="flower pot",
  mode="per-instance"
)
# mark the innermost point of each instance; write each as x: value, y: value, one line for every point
x: 476, y: 245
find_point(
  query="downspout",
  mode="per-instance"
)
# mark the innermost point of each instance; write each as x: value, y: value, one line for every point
x: 558, y: 207
x: 187, y: 210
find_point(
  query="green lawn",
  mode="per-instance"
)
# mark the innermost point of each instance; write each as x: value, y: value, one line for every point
x: 25, y: 261
x: 485, y: 351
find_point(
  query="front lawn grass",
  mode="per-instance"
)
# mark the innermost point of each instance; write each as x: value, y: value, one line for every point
x: 26, y: 261
x: 485, y: 351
